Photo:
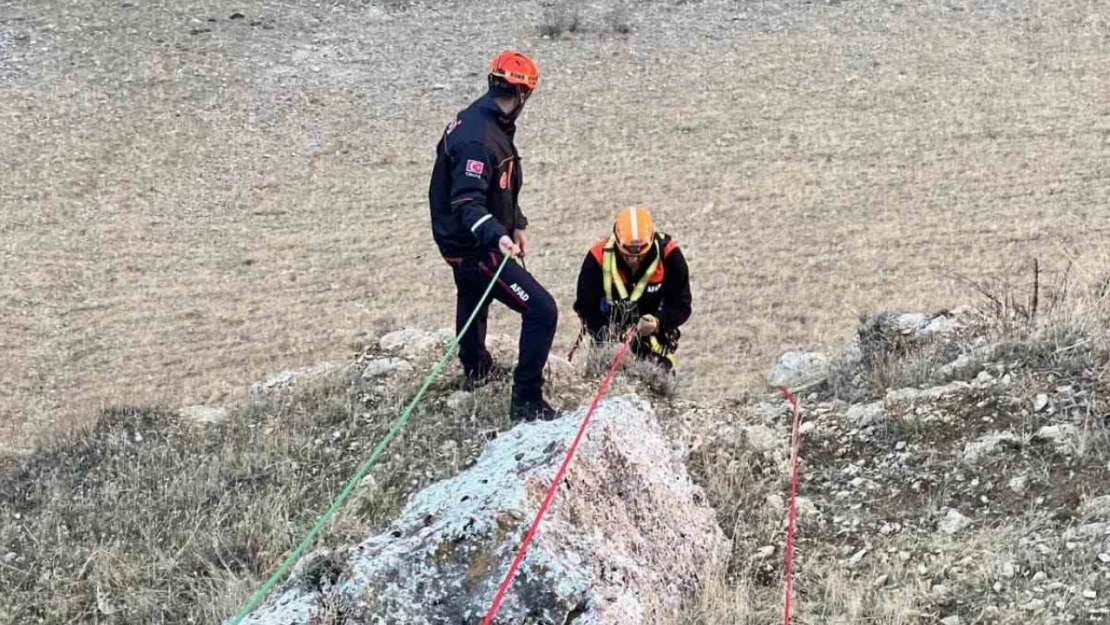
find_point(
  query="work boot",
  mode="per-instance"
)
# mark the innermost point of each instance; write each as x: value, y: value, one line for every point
x: 530, y: 409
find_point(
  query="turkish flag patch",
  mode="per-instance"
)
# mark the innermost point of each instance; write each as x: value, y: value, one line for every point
x: 475, y: 167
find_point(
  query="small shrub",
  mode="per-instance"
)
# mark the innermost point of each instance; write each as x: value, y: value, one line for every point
x: 559, y: 18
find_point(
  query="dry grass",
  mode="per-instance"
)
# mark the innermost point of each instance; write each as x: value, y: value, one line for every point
x: 1030, y: 555
x: 181, y: 214
x: 149, y: 518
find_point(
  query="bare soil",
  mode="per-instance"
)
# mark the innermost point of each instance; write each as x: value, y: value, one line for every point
x: 189, y: 201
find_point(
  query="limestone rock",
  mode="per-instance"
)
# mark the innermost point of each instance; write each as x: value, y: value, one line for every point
x: 797, y: 369
x: 204, y: 414
x: 412, y: 342
x: 288, y: 379
x: 381, y: 367
x: 954, y: 522
x: 624, y: 543
x: 988, y: 445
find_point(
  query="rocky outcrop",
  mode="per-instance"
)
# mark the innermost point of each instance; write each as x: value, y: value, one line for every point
x: 626, y: 540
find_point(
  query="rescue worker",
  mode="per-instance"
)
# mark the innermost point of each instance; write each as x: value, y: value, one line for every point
x: 477, y: 221
x: 635, y: 278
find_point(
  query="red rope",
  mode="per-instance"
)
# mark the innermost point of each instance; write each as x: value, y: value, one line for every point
x: 794, y: 444
x: 551, y: 490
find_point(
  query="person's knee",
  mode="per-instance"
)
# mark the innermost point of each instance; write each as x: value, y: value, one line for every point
x: 543, y: 310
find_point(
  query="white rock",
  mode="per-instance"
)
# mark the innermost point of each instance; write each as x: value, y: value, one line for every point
x: 611, y: 556
x: 776, y: 502
x: 954, y: 522
x: 909, y: 395
x: 769, y: 413
x: 459, y: 402
x: 806, y: 507
x: 10, y: 557
x: 880, y: 581
x: 289, y: 379
x: 1040, y: 402
x: 988, y: 445
x: 1036, y: 605
x: 1008, y: 570
x: 863, y: 415
x: 413, y: 342
x: 951, y: 620
x: 1104, y: 558
x: 797, y: 369
x: 859, y: 556
x: 381, y: 367
x: 761, y: 438
x: 765, y: 552
x: 1063, y: 437
x: 204, y: 414
x: 984, y: 377
x: 1018, y: 484
x: 1090, y: 594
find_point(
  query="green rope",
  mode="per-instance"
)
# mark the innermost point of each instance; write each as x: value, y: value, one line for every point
x: 362, y: 470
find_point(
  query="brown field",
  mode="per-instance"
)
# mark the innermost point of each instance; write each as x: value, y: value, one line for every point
x: 187, y: 206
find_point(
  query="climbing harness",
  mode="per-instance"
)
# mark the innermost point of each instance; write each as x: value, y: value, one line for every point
x: 611, y: 275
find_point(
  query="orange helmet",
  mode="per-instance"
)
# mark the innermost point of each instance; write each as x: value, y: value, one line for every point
x: 634, y: 231
x: 515, y: 68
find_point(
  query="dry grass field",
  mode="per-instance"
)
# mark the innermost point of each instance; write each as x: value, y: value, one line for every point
x: 189, y: 201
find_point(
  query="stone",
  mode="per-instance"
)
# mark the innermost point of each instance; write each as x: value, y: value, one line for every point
x: 381, y: 367
x: 1036, y: 605
x: 1018, y: 484
x: 204, y: 415
x: 412, y: 342
x: 1063, y: 437
x: 458, y: 402
x: 988, y: 445
x: 770, y: 413
x: 1090, y: 594
x: 954, y: 522
x: 288, y: 379
x: 624, y: 543
x: 765, y: 552
x: 984, y: 377
x: 951, y: 620
x: 798, y: 369
x: 805, y: 507
x: 760, y: 438
x: 910, y: 395
x: 1008, y: 570
x: 1040, y: 402
x: 863, y: 415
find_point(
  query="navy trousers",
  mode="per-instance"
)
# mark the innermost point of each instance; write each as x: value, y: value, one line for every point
x: 517, y: 289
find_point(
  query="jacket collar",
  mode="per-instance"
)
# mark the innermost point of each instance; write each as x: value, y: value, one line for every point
x: 488, y: 106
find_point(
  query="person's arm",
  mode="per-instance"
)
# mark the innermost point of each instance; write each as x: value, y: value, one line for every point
x: 588, y: 298
x: 675, y: 307
x: 470, y: 178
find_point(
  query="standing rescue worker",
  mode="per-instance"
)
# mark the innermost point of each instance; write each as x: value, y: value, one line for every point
x: 477, y: 222
x: 636, y: 277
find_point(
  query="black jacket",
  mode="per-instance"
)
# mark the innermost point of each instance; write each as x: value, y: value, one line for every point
x: 475, y: 182
x: 667, y: 297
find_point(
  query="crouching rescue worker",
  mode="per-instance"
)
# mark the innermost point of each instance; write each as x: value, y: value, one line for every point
x: 635, y: 278
x: 476, y: 223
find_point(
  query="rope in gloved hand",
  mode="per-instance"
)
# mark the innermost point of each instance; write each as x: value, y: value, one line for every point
x: 363, y: 469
